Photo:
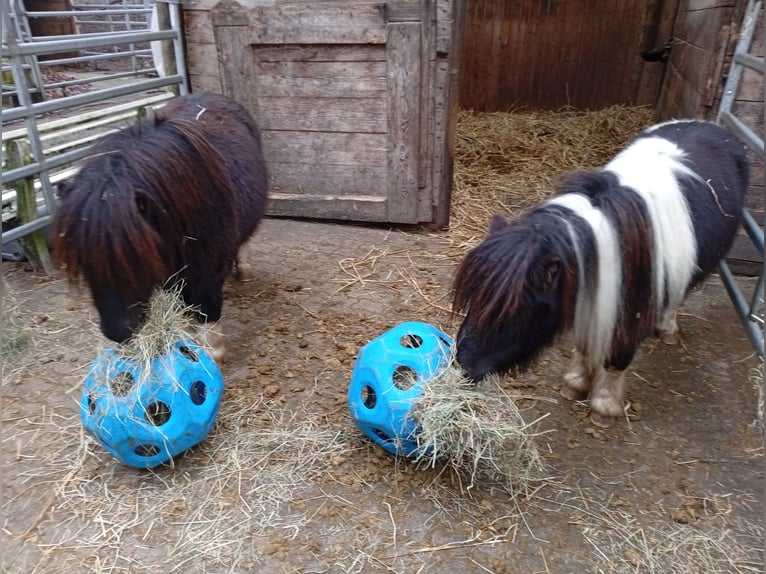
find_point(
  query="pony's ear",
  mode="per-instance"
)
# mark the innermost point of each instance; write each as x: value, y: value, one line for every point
x: 497, y: 224
x: 63, y: 189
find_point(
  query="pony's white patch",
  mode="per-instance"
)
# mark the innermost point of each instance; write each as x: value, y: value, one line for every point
x: 595, y: 311
x: 652, y: 167
x: 668, y: 123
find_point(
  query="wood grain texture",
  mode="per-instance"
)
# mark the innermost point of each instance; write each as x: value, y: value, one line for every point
x: 348, y: 95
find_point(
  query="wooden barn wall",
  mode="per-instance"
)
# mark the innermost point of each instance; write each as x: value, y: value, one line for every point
x: 547, y: 54
x: 705, y: 36
x: 702, y: 35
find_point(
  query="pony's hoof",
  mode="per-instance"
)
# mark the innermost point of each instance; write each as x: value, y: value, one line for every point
x: 601, y: 421
x: 668, y: 337
x: 244, y: 272
x: 572, y: 394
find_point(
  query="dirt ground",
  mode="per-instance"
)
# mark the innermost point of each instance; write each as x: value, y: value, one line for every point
x: 285, y: 483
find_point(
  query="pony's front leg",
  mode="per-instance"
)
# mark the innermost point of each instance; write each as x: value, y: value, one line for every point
x: 606, y: 396
x: 578, y: 380
x: 667, y: 328
x: 243, y: 270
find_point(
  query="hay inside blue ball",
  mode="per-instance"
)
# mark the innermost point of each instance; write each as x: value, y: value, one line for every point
x: 388, y: 376
x: 146, y: 418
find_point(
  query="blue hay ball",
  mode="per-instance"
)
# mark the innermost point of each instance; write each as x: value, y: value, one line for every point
x: 145, y: 419
x: 388, y: 376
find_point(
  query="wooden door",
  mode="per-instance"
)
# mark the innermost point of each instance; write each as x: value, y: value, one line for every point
x: 337, y: 89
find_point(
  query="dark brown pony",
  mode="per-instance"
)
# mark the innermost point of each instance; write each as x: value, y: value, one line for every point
x: 167, y: 201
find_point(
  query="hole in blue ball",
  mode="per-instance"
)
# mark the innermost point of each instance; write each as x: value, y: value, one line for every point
x: 198, y: 392
x: 381, y: 435
x: 157, y: 413
x: 121, y: 383
x: 405, y: 377
x: 91, y: 404
x: 188, y: 353
x: 369, y: 399
x: 411, y: 341
x: 147, y: 450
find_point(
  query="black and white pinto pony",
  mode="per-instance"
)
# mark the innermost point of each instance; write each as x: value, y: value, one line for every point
x: 165, y: 202
x: 611, y: 257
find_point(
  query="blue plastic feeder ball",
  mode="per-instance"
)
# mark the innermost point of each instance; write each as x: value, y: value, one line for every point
x: 145, y: 419
x: 388, y: 376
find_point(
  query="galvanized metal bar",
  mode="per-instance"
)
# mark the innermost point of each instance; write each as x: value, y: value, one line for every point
x: 747, y: 135
x: 89, y: 98
x: 23, y: 95
x: 178, y: 45
x: 106, y: 12
x: 11, y: 175
x: 743, y: 46
x: 95, y: 56
x: 753, y: 230
x: 26, y: 229
x: 756, y: 303
x: 750, y: 61
x: 751, y: 326
x: 749, y: 313
x: 85, y: 41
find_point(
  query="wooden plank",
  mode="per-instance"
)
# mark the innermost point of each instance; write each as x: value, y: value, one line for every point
x: 317, y: 79
x: 369, y: 208
x: 198, y: 26
x: 318, y: 23
x: 357, y: 115
x: 328, y: 180
x: 202, y: 59
x: 546, y: 55
x: 319, y: 53
x: 404, y: 77
x: 427, y: 19
x: 351, y: 149
x: 403, y: 11
x: 203, y: 83
x: 661, y: 17
x: 235, y: 65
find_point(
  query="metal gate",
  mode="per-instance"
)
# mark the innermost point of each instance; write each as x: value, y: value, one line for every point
x: 750, y: 312
x: 55, y: 108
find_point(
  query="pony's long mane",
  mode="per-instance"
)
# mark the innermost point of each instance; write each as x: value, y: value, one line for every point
x: 141, y: 191
x: 499, y: 276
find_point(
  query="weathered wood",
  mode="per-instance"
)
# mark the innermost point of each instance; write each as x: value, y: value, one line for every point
x: 319, y: 23
x: 346, y: 95
x: 320, y: 53
x: 319, y: 79
x: 659, y: 22
x: 546, y: 55
x: 329, y: 148
x: 365, y: 115
x: 198, y: 27
x: 324, y: 179
x: 404, y: 76
x: 34, y: 245
x: 370, y: 208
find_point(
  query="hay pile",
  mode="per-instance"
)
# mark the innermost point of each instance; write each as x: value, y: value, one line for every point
x: 507, y: 163
x: 478, y: 431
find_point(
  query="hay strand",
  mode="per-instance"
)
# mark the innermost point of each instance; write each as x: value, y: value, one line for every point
x: 477, y: 431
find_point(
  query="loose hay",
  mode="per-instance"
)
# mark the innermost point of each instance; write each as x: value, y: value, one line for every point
x: 507, y: 163
x: 13, y: 336
x: 478, y: 431
x: 168, y: 320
